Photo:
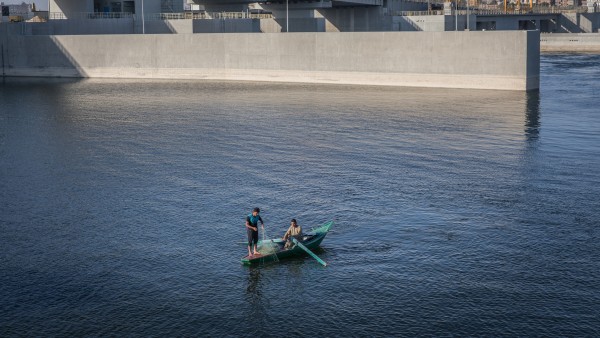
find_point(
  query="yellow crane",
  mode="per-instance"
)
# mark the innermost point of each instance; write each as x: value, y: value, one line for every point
x: 518, y: 5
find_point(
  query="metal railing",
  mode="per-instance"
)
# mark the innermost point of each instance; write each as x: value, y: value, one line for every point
x: 161, y: 16
x: 208, y: 16
x: 366, y: 2
x: 417, y: 13
x: 248, y: 15
x: 534, y: 10
x: 91, y: 15
x: 478, y: 11
x: 429, y: 2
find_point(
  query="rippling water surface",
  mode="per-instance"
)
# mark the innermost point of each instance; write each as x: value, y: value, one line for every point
x: 457, y: 212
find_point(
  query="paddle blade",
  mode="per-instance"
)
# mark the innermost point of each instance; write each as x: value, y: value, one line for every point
x: 312, y: 254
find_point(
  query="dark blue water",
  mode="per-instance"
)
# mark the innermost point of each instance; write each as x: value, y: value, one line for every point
x: 457, y: 212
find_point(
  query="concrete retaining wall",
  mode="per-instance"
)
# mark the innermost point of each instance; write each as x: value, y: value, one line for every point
x: 188, y: 26
x: 77, y: 27
x: 434, y: 23
x: 225, y: 26
x: 590, y: 22
x: 355, y: 19
x: 295, y: 25
x: 430, y: 23
x: 423, y: 59
x: 570, y: 42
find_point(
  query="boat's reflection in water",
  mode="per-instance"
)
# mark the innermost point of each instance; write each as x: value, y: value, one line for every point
x: 264, y: 283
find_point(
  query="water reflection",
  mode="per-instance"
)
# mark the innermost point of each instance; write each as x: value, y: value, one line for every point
x: 419, y: 164
x: 253, y: 290
x: 254, y: 296
x: 257, y: 275
x: 532, y: 116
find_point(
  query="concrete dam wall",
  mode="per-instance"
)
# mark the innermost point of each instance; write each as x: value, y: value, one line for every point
x: 567, y: 42
x: 423, y: 59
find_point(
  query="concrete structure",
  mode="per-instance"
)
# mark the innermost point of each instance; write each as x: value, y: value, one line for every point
x: 570, y: 43
x: 567, y: 22
x: 424, y: 59
x: 329, y: 20
x: 434, y: 23
x: 70, y: 9
x: 88, y: 16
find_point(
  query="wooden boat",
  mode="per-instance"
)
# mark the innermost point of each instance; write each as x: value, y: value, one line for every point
x: 274, y: 249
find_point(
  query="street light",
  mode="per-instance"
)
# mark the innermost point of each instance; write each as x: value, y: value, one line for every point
x: 287, y: 16
x: 456, y: 17
x: 143, y: 19
x: 467, y: 2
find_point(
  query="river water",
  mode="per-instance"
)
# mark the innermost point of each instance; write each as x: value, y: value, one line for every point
x: 457, y: 212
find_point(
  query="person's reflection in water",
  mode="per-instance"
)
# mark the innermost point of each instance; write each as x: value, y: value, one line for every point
x: 257, y: 304
x: 532, y: 116
x: 253, y: 289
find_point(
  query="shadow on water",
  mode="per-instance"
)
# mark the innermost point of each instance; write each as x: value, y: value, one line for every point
x: 31, y: 93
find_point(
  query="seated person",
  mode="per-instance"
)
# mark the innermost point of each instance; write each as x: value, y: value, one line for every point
x: 294, y: 231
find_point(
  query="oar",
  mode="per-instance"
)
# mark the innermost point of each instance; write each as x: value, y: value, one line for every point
x: 308, y: 251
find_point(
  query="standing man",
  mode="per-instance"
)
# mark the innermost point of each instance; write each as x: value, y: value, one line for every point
x: 252, y: 230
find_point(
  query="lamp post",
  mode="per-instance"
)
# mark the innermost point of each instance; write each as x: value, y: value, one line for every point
x: 143, y: 19
x: 467, y: 2
x: 287, y: 16
x: 456, y: 17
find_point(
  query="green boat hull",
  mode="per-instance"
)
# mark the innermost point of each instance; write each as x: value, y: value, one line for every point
x: 311, y: 240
